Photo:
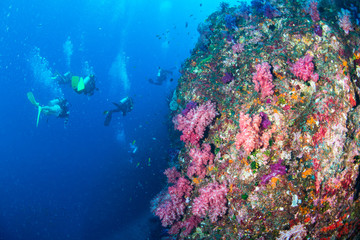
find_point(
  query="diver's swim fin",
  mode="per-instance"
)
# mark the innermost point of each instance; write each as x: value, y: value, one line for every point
x: 31, y: 98
x: 81, y: 85
x: 38, y: 116
x: 75, y: 82
x: 108, y: 118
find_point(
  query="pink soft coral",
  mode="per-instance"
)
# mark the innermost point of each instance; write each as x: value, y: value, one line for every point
x: 249, y: 136
x: 211, y: 202
x: 170, y: 209
x: 182, y: 188
x: 188, y: 225
x: 304, y: 69
x: 172, y: 175
x: 194, y: 123
x: 344, y: 21
x: 200, y: 158
x: 313, y: 10
x: 262, y: 79
x: 252, y: 136
x: 169, y: 206
x: 237, y: 48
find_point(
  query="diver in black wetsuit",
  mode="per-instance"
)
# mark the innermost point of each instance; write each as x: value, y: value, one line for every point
x: 161, y: 77
x: 125, y: 106
x: 80, y: 85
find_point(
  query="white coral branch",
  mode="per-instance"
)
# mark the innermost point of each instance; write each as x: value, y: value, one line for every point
x: 297, y: 232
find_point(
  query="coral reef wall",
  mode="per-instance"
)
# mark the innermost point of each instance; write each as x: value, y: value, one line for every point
x: 268, y: 112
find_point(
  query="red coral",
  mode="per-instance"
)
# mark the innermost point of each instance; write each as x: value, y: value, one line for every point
x: 304, y: 69
x: 319, y: 135
x: 263, y: 80
x: 194, y: 123
x: 212, y: 201
x: 200, y: 158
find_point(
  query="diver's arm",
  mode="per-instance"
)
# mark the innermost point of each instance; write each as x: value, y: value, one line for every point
x: 63, y: 79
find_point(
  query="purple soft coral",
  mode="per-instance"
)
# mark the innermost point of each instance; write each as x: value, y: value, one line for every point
x: 227, y: 78
x: 265, y: 122
x: 318, y: 30
x: 276, y: 169
x: 190, y: 105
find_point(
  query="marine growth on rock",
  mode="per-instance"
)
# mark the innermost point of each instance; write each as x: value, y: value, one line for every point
x: 284, y: 138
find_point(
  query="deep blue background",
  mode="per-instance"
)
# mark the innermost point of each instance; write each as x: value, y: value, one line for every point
x: 78, y: 182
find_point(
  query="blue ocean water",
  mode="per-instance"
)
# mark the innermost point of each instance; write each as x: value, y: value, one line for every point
x: 82, y: 180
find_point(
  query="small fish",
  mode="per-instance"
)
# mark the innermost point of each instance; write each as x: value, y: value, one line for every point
x: 133, y: 147
x: 186, y: 24
x: 149, y: 162
x: 134, y: 150
x: 137, y: 164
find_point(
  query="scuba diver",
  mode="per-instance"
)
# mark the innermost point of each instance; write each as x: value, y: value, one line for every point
x: 125, y: 106
x: 58, y: 107
x: 80, y: 85
x: 161, y: 76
